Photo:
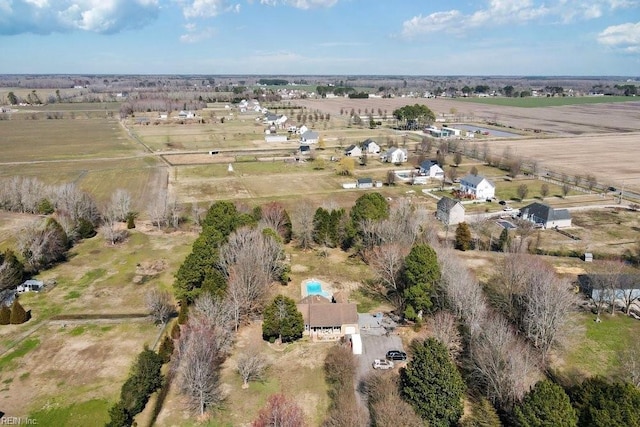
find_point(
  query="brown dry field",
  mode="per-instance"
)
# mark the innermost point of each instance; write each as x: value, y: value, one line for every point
x: 564, y: 120
x: 612, y: 158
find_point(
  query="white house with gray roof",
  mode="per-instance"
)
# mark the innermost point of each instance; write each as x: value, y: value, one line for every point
x: 546, y: 216
x: 395, y: 155
x: 477, y: 186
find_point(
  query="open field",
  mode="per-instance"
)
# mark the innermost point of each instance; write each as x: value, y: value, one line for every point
x: 562, y: 120
x: 543, y: 101
x: 53, y: 370
x: 612, y: 158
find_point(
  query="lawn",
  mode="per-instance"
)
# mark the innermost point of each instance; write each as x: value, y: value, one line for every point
x: 540, y: 102
x: 595, y: 347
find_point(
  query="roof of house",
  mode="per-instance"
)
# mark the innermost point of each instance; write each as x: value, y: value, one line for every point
x: 328, y: 315
x: 351, y: 147
x: 446, y: 203
x: 395, y: 149
x: 315, y: 299
x: 474, y: 180
x: 624, y: 281
x: 427, y: 164
x: 365, y: 181
x: 310, y: 135
x: 368, y: 141
x: 545, y: 212
x: 305, y: 148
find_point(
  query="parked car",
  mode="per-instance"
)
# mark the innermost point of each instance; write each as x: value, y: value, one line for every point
x: 396, y: 355
x: 507, y: 209
x: 502, y: 202
x: 382, y: 364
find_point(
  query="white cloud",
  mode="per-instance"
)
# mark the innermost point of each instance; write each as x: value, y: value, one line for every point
x: 625, y: 37
x: 512, y: 12
x: 195, y: 35
x: 192, y: 9
x: 301, y: 4
x: 100, y: 16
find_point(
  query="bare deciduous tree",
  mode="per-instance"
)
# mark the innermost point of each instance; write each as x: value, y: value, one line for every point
x: 41, y: 244
x: 444, y: 327
x: 196, y: 365
x: 160, y: 304
x: 251, y: 366
x: 120, y: 204
x: 250, y: 261
x: 503, y: 364
x: 275, y: 216
x: 76, y: 203
x: 630, y: 364
x: 548, y: 302
x: 280, y: 411
x: 303, y: 219
x: 219, y: 316
x: 386, y: 407
x: 387, y: 261
x: 111, y: 228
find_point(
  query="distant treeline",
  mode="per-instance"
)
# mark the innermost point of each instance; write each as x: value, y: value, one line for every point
x: 273, y: 82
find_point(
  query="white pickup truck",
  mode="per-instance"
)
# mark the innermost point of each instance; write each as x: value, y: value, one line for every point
x: 382, y: 364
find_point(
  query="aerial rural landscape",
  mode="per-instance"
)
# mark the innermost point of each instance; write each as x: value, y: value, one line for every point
x: 336, y: 213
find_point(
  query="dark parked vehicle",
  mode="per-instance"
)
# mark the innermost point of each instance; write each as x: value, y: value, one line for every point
x: 396, y: 355
x: 502, y: 202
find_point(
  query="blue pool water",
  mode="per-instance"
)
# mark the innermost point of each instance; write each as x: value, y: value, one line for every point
x: 315, y: 288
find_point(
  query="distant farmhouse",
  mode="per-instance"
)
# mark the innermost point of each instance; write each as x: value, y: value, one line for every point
x: 431, y: 169
x: 477, y: 187
x: 369, y: 146
x: 353, y: 151
x: 395, y: 155
x: 546, y: 216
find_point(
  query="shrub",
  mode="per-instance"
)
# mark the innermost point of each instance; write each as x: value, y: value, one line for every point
x: 5, y: 315
x: 166, y: 349
x: 18, y: 313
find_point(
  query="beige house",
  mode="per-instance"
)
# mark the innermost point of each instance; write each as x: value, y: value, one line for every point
x: 327, y: 321
x: 450, y: 212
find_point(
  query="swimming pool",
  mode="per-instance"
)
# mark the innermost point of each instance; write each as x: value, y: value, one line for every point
x: 314, y: 287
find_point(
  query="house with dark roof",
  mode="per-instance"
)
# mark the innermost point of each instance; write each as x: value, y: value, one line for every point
x: 477, y: 186
x: 353, y: 151
x: 431, y: 169
x: 327, y: 321
x: 602, y: 287
x: 369, y: 146
x: 546, y: 216
x: 450, y: 211
x: 364, y: 183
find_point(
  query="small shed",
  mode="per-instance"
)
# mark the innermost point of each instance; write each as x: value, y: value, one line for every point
x: 588, y: 257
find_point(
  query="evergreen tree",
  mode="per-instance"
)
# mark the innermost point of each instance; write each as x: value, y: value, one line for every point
x: 18, y: 313
x: 282, y: 320
x: 463, y: 237
x: 546, y: 404
x: 603, y: 404
x: 432, y: 384
x: 5, y: 315
x: 370, y: 206
x: 504, y: 241
x: 483, y: 414
x: 166, y: 349
x: 11, y: 270
x: 119, y: 416
x: 419, y: 277
x: 144, y: 380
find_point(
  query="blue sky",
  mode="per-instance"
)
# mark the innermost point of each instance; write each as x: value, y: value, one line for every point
x: 406, y: 37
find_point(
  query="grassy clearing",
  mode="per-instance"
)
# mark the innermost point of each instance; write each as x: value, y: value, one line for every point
x: 6, y: 362
x: 539, y: 102
x: 596, y: 347
x: 89, y: 413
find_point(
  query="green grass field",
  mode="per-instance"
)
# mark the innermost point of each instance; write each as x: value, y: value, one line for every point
x: 539, y: 102
x: 596, y: 347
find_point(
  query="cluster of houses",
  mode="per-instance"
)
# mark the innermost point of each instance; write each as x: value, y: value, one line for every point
x: 451, y: 211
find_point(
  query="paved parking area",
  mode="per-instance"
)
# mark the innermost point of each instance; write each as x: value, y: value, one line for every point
x: 377, y: 338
